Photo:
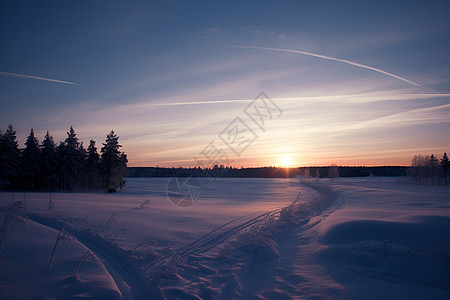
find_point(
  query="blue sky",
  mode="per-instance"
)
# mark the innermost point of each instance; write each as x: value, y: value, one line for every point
x: 134, y: 64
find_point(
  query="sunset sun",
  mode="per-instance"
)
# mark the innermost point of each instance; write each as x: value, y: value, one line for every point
x: 286, y: 161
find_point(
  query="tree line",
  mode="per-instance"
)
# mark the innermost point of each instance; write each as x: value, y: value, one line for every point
x: 267, y: 172
x: 429, y: 170
x: 68, y: 166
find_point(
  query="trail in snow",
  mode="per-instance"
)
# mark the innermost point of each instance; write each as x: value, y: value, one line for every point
x: 251, y: 279
x: 130, y: 282
x: 218, y: 235
x: 295, y: 273
x: 222, y: 233
x: 249, y: 267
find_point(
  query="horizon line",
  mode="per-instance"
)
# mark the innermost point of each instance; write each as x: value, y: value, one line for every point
x: 280, y: 167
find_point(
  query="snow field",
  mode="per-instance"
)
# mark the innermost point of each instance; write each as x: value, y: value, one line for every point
x: 361, y: 238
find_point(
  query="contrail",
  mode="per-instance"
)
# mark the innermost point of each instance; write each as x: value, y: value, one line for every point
x: 348, y: 97
x: 36, y: 77
x: 332, y: 58
x: 201, y: 102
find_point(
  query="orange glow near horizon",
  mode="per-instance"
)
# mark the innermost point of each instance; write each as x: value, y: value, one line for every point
x: 291, y: 160
x: 286, y: 161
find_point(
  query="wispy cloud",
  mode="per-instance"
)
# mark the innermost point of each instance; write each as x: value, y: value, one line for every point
x: 426, y: 115
x: 334, y: 59
x: 201, y: 102
x: 214, y: 29
x: 36, y: 77
x: 363, y: 97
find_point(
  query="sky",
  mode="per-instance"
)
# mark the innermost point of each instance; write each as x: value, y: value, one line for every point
x: 346, y: 82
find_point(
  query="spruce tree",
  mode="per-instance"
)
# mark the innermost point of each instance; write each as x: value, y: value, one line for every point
x: 113, y: 163
x: 49, y: 163
x: 72, y: 160
x: 9, y: 160
x: 31, y: 163
x: 66, y: 167
x: 92, y: 166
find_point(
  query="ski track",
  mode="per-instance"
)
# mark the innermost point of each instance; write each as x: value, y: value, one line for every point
x: 282, y: 281
x: 128, y: 280
x: 218, y: 235
x: 211, y: 240
x: 285, y: 279
x: 125, y: 276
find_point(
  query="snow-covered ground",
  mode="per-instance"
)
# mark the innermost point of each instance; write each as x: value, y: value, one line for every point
x: 361, y: 238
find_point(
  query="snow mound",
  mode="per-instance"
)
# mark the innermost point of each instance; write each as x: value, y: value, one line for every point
x: 26, y: 275
x: 388, y: 241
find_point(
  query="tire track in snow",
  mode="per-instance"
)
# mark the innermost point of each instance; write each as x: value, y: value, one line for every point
x: 130, y: 283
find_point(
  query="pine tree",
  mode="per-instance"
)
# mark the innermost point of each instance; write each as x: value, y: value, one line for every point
x: 83, y: 151
x: 9, y: 159
x: 66, y: 167
x: 31, y: 163
x: 72, y: 160
x: 113, y: 163
x: 92, y: 166
x: 50, y: 163
x: 72, y: 140
x: 93, y: 155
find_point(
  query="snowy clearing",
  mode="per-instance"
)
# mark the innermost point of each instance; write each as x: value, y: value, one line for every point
x: 361, y: 238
